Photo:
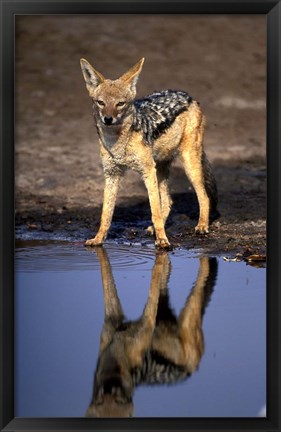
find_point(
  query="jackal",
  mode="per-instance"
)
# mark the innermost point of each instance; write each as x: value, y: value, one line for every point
x: 146, y: 135
x: 158, y: 348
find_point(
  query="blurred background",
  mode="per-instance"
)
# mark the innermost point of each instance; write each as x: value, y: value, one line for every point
x: 219, y: 60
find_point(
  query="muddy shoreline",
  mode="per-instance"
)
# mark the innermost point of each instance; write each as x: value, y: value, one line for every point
x: 237, y: 229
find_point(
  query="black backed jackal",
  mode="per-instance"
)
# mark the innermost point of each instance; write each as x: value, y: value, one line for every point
x: 158, y: 348
x: 145, y: 135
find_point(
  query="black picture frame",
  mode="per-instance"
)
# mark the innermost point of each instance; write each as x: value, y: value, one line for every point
x: 8, y: 10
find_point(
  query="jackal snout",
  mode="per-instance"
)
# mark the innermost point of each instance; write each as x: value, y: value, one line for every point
x: 108, y: 120
x: 110, y: 110
x: 108, y: 114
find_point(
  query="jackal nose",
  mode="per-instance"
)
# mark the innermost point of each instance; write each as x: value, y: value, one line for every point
x: 108, y: 120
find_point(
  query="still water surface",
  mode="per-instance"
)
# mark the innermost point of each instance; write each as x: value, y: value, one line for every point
x: 198, y: 351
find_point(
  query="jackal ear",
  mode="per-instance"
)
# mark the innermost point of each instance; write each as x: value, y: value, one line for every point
x: 131, y: 77
x: 92, y: 77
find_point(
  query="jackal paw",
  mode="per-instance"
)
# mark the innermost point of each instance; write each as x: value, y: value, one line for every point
x: 201, y: 229
x: 93, y: 242
x: 163, y: 244
x: 150, y: 230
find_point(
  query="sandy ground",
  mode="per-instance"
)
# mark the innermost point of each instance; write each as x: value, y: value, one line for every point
x: 219, y: 60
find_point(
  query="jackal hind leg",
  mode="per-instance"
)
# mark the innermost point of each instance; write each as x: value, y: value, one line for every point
x: 163, y: 171
x: 191, y: 315
x: 192, y: 159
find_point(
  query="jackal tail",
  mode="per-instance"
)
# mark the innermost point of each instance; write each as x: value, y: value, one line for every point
x: 210, y: 283
x: 210, y: 183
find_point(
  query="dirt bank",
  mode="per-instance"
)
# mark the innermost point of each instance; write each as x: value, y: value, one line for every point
x: 219, y: 60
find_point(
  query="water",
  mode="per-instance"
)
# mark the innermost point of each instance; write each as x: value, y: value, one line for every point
x: 210, y: 366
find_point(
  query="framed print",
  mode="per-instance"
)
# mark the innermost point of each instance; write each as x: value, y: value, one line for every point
x: 140, y: 209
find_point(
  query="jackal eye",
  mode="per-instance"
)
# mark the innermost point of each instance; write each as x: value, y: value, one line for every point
x: 100, y: 103
x: 120, y: 104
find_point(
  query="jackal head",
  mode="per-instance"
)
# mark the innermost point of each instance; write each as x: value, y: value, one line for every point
x: 113, y: 100
x: 113, y: 389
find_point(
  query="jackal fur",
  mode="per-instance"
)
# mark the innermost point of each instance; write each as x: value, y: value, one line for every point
x: 146, y: 135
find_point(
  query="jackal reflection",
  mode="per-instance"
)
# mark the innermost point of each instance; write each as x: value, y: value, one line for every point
x: 158, y: 348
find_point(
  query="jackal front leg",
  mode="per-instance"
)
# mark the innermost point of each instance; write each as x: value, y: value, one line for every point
x: 113, y: 312
x: 109, y: 199
x: 162, y: 170
x: 151, y: 183
x: 142, y: 337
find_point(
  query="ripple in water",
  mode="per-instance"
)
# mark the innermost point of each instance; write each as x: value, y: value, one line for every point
x: 37, y: 256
